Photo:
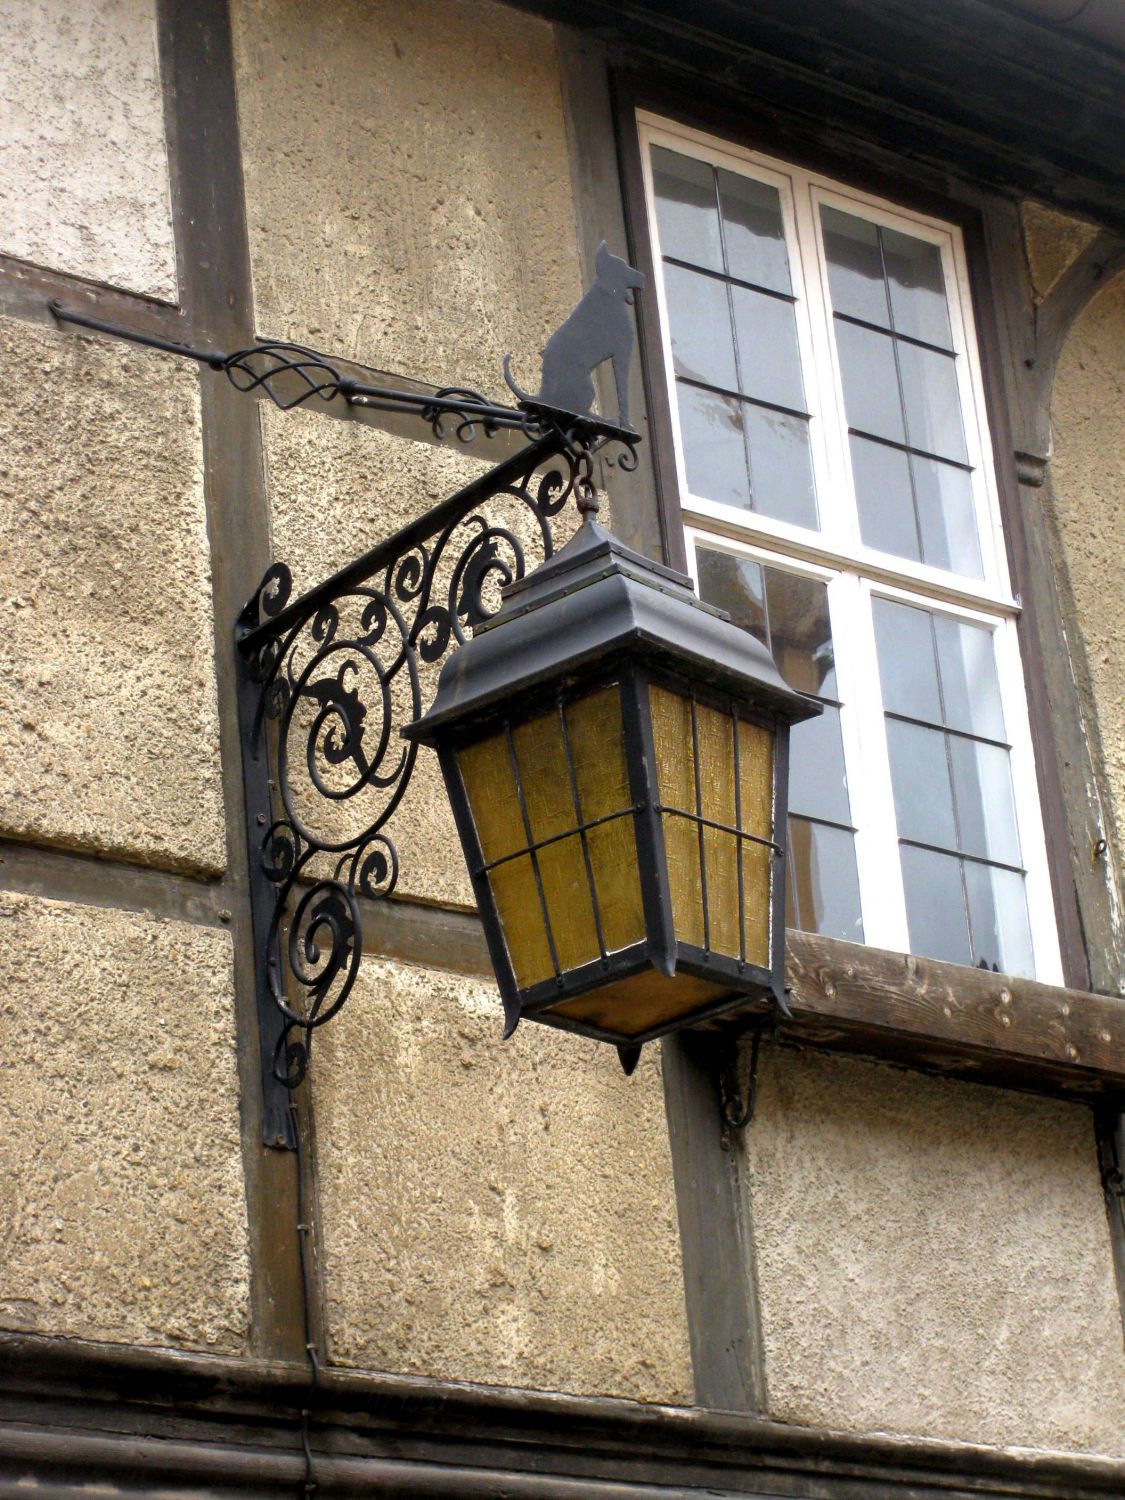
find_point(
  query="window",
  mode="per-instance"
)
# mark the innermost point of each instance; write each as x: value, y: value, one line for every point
x: 836, y: 482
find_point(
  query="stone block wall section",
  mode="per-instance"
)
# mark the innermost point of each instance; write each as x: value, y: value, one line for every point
x: 408, y: 183
x: 84, y: 184
x: 122, y: 1212
x: 494, y: 1212
x: 933, y: 1258
x: 108, y: 718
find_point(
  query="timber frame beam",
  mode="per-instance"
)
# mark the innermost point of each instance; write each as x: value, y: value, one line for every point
x: 149, y: 1420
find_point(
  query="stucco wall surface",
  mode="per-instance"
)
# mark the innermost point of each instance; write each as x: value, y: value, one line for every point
x: 408, y: 185
x: 1053, y: 241
x: 336, y: 489
x: 122, y: 1214
x: 933, y: 1258
x: 108, y: 719
x: 490, y: 1212
x: 1086, y: 489
x: 83, y: 166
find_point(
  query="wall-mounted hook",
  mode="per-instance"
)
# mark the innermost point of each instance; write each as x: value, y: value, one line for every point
x: 736, y: 1099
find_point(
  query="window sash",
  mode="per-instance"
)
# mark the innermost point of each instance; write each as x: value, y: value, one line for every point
x: 866, y: 754
x: 838, y: 541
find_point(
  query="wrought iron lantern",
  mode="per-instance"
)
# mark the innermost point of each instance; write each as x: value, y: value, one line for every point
x: 616, y: 755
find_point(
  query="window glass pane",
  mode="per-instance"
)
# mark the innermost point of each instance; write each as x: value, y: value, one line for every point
x: 823, y: 886
x: 687, y: 213
x: 768, y: 359
x: 818, y: 786
x: 935, y: 905
x: 754, y: 232
x: 946, y: 517
x: 882, y: 492
x: 907, y: 669
x: 998, y: 913
x: 781, y: 476
x: 800, y: 634
x: 855, y: 267
x: 986, y: 809
x: 920, y: 777
x: 714, y: 446
x: 917, y: 287
x: 796, y: 629
x: 737, y: 585
x: 699, y: 314
x: 933, y: 406
x: 969, y: 683
x: 867, y: 364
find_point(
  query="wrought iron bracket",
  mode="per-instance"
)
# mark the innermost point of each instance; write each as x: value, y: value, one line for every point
x: 324, y: 684
x: 325, y: 681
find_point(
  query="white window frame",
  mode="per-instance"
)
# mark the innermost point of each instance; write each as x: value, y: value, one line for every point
x: 853, y: 572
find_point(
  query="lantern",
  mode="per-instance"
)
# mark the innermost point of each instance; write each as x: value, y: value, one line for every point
x: 616, y: 755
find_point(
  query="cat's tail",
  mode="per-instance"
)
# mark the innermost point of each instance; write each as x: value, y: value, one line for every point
x: 511, y: 384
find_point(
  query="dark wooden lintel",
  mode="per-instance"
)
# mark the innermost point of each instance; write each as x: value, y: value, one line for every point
x: 72, y: 1414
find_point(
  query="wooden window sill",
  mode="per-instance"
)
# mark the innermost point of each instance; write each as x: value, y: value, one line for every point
x: 952, y: 1019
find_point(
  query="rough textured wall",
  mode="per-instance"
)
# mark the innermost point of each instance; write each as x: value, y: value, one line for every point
x: 494, y: 1212
x: 933, y: 1258
x: 1086, y: 490
x: 83, y: 168
x: 121, y: 1204
x: 1052, y: 240
x: 108, y: 720
x: 407, y: 182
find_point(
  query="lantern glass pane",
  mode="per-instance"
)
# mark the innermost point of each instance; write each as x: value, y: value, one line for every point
x: 715, y: 774
x: 640, y: 1003
x: 567, y: 893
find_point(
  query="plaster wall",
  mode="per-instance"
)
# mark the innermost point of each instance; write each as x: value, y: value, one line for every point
x: 83, y: 167
x: 1086, y: 495
x: 933, y: 1258
x: 501, y: 1214
x: 1052, y: 241
x: 108, y: 718
x: 122, y: 1215
x: 407, y: 182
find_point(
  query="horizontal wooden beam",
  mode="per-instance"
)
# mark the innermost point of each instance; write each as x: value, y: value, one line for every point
x: 73, y: 1413
x: 955, y: 1019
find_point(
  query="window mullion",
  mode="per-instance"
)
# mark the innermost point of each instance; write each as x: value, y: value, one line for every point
x: 839, y: 516
x: 868, y: 765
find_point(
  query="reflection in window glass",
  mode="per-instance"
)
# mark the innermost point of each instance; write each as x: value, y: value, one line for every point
x: 899, y: 372
x: 687, y: 209
x: 754, y: 233
x: 733, y: 328
x: 952, y: 779
x: 788, y: 613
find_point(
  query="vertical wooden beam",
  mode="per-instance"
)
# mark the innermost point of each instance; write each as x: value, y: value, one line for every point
x: 209, y: 216
x: 716, y: 1238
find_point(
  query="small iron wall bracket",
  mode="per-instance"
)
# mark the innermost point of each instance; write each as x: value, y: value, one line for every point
x: 326, y: 681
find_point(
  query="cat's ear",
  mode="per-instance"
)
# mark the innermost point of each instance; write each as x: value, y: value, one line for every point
x: 602, y: 259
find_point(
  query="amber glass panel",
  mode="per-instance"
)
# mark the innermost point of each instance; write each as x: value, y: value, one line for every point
x: 755, y: 772
x: 672, y: 737
x: 716, y: 800
x: 597, y: 747
x: 638, y: 1004
x: 594, y: 728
